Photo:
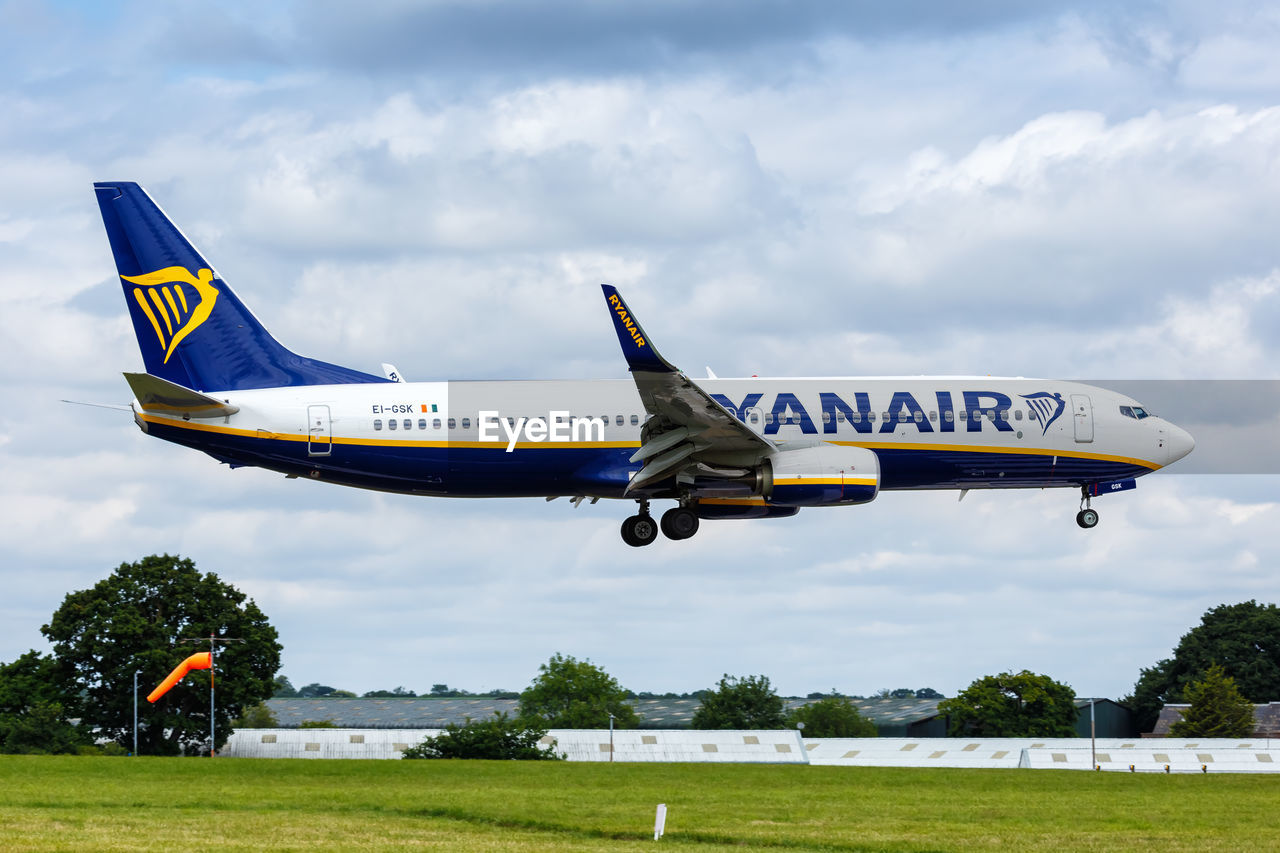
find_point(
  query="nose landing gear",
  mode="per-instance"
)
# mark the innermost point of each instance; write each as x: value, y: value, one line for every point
x: 1087, y: 517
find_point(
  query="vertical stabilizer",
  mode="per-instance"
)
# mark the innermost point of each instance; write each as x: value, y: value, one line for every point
x: 191, y: 327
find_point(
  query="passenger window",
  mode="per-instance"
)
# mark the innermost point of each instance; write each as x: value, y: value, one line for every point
x: 918, y: 417
x: 840, y: 417
x: 933, y: 416
x: 635, y: 420
x: 453, y: 423
x: 1017, y: 415
x: 902, y: 417
x: 871, y: 416
x: 1004, y: 415
x: 948, y: 416
x: 422, y: 423
x: 408, y: 424
x: 619, y: 421
x: 466, y: 423
x: 377, y: 424
x: 768, y: 418
x: 826, y: 417
x: 435, y: 424
x: 391, y: 423
x: 856, y: 417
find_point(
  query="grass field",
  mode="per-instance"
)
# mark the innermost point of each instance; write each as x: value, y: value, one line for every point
x: 76, y: 803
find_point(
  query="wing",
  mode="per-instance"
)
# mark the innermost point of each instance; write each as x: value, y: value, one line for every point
x: 688, y: 431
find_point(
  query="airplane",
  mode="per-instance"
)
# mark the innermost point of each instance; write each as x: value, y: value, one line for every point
x: 741, y: 448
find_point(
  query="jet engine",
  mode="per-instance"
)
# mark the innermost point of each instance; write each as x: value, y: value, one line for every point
x: 825, y: 475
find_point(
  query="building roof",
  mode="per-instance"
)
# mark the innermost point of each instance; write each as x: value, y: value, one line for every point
x: 428, y: 713
x: 1266, y: 719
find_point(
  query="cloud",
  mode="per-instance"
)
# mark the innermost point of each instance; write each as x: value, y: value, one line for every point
x: 1070, y: 189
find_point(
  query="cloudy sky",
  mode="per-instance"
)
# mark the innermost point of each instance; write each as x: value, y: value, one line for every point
x: 1059, y: 189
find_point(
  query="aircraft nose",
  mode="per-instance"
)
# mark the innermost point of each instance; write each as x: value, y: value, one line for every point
x: 1177, y: 443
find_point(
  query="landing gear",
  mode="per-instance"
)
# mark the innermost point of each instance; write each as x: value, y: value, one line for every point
x: 1087, y: 517
x: 640, y: 529
x: 679, y: 523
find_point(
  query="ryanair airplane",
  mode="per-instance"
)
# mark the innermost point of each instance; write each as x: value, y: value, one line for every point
x: 217, y: 381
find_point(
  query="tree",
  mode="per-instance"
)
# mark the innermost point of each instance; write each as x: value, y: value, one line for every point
x: 496, y: 738
x: 573, y: 694
x: 397, y: 693
x: 832, y: 716
x: 1218, y: 709
x: 136, y: 619
x: 34, y: 708
x: 928, y: 693
x: 1010, y: 704
x: 1244, y: 639
x: 740, y: 703
x: 314, y: 690
x: 283, y: 689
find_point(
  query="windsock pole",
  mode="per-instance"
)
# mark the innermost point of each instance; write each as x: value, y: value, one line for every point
x: 212, y: 722
x: 213, y: 651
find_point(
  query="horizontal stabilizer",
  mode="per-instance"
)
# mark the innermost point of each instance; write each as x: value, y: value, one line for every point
x: 160, y: 395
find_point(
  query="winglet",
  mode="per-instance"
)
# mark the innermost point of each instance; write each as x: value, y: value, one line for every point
x: 636, y: 346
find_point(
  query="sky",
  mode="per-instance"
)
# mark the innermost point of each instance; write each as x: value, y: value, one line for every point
x: 1058, y: 189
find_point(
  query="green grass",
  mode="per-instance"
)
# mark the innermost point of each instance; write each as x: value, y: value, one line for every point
x: 72, y: 803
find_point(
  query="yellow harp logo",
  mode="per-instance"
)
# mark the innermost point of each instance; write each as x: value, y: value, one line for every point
x: 163, y: 297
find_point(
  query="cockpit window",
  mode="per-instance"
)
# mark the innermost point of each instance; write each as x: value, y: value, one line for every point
x: 1136, y: 412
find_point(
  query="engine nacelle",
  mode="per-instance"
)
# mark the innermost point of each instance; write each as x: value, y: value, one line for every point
x: 825, y: 475
x: 737, y: 508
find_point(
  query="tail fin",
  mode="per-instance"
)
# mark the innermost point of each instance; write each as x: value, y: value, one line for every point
x: 191, y: 327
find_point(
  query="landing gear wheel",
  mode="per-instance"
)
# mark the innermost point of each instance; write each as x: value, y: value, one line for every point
x: 1087, y: 518
x: 639, y: 530
x: 679, y: 523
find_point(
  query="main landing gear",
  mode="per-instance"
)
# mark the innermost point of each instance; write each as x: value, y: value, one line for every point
x: 677, y: 523
x: 1087, y: 517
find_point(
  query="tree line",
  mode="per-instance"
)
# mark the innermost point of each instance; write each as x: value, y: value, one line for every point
x: 146, y: 615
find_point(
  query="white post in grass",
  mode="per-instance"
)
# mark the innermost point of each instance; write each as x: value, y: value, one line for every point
x: 660, y: 821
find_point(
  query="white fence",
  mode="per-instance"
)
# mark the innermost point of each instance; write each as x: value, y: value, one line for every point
x: 786, y: 747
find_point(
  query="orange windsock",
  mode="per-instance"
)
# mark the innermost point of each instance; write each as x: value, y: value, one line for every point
x: 200, y: 660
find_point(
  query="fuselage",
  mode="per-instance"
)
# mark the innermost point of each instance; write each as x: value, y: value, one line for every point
x: 548, y: 438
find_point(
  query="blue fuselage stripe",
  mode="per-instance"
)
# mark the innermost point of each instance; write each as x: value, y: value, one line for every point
x: 476, y: 472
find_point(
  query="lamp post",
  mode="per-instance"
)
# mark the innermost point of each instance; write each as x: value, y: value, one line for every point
x: 136, y: 673
x: 1093, y: 736
x: 611, y: 738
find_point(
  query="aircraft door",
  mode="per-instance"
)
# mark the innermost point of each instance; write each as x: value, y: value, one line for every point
x: 1082, y: 411
x: 754, y: 419
x: 319, y: 431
